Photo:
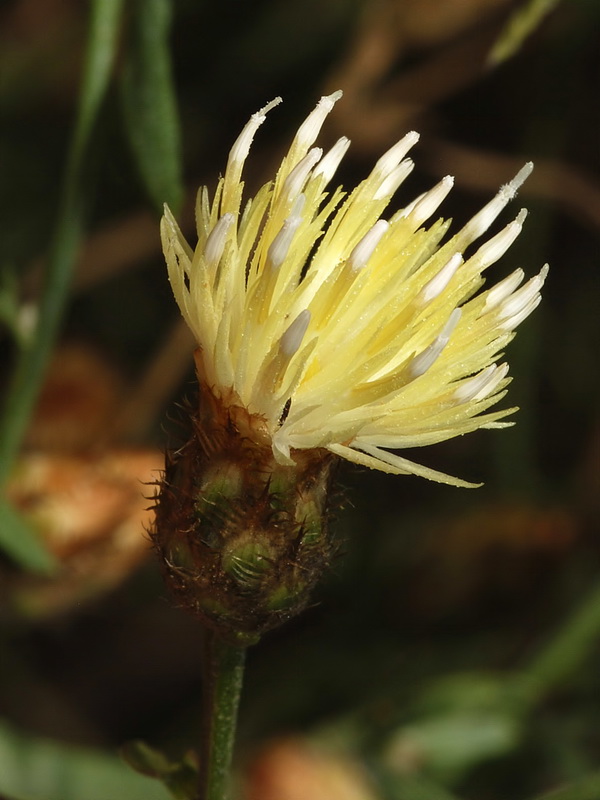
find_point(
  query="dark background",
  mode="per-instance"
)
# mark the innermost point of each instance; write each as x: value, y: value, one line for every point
x: 431, y: 581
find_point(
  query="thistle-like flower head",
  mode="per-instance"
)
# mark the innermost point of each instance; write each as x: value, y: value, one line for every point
x: 333, y: 327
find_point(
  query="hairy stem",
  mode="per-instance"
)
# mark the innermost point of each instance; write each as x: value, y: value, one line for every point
x: 223, y: 675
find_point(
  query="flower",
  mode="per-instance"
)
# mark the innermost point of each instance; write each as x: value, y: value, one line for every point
x: 335, y: 328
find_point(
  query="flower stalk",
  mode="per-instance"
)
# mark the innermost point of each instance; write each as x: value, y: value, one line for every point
x: 223, y: 676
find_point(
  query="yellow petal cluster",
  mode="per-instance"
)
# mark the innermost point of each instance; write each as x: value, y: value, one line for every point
x: 341, y: 329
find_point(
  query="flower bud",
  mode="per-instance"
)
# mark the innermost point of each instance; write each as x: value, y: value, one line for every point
x: 242, y: 539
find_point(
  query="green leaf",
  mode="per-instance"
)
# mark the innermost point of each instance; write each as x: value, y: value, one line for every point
x: 149, y: 105
x: 20, y: 541
x: 105, y: 24
x: 451, y: 745
x: 520, y: 25
x: 33, y: 358
x: 32, y: 768
x: 586, y: 789
x: 460, y: 721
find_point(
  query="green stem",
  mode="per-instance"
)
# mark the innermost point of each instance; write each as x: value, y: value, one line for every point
x: 223, y: 675
x: 34, y: 356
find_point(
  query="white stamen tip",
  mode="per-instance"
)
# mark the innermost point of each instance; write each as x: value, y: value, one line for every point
x: 363, y: 251
x: 494, y: 248
x: 281, y: 244
x: 425, y: 205
x: 421, y: 363
x: 521, y: 216
x: 503, y: 289
x: 215, y: 243
x: 331, y: 161
x: 292, y: 338
x: 298, y: 206
x: 241, y: 146
x: 393, y: 180
x: 499, y: 375
x: 513, y: 322
x: 493, y: 382
x: 392, y: 157
x: 476, y: 386
x: 519, y: 179
x: 437, y: 284
x: 516, y: 307
x: 484, y: 218
x: 484, y: 384
x: 309, y: 130
x: 294, y: 183
x: 271, y: 104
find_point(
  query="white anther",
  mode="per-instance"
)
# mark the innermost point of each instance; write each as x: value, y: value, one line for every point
x: 292, y: 338
x: 331, y: 160
x: 390, y: 159
x: 215, y: 243
x: 526, y: 298
x: 513, y: 322
x: 521, y: 216
x: 503, y: 289
x: 477, y: 387
x: 408, y: 209
x: 421, y: 363
x: 280, y: 245
x: 389, y: 184
x: 241, y: 146
x: 484, y: 218
x: 495, y: 379
x: 437, y: 284
x: 295, y: 181
x: 363, y: 251
x: 309, y: 130
x: 425, y: 205
x: 494, y: 248
x: 298, y: 206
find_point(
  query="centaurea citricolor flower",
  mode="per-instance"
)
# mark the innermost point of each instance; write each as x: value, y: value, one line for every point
x: 326, y: 329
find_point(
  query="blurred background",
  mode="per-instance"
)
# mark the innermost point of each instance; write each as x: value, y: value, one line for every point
x: 453, y: 651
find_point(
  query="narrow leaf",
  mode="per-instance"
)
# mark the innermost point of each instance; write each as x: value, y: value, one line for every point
x: 33, y: 359
x: 105, y: 24
x: 149, y: 105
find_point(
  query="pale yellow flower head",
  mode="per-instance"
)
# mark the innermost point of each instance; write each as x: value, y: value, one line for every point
x: 337, y: 327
